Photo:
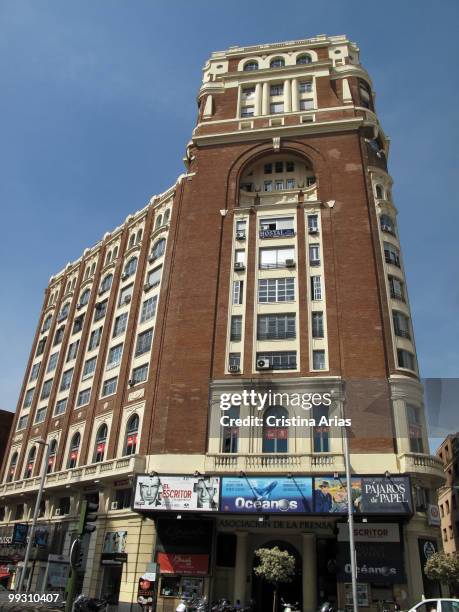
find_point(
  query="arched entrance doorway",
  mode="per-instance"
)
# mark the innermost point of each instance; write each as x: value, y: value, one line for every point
x: 291, y: 592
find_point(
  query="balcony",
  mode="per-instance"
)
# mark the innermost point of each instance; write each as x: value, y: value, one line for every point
x: 277, y: 233
x: 419, y: 463
x: 113, y: 469
x: 320, y: 463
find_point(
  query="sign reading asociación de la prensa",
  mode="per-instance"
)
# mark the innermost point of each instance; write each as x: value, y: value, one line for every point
x: 180, y: 493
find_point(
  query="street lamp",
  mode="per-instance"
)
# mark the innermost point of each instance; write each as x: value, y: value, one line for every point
x: 35, y: 516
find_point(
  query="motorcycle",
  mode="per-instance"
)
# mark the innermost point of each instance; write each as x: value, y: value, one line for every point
x: 290, y: 607
x: 89, y: 604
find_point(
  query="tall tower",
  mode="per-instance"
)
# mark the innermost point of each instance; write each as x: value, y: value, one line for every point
x: 272, y: 266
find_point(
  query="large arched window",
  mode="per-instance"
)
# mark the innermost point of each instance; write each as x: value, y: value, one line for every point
x: 230, y: 433
x: 139, y: 236
x: 30, y: 462
x: 305, y: 58
x: 131, y: 267
x: 167, y: 214
x: 275, y: 432
x: 74, y: 450
x: 12, y: 470
x: 64, y: 312
x: 159, y: 222
x: 108, y: 258
x: 47, y: 323
x: 84, y: 298
x: 132, y: 432
x: 277, y: 62
x: 51, y: 456
x: 249, y: 66
x: 106, y: 283
x: 131, y: 241
x: 158, y: 248
x: 101, y: 441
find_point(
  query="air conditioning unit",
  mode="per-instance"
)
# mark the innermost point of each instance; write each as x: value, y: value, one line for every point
x: 127, y: 299
x: 57, y: 512
x: 290, y: 263
x: 386, y: 228
x: 239, y: 265
x: 234, y: 369
x: 313, y: 230
x: 263, y: 364
x: 114, y: 505
x: 240, y: 235
x: 147, y: 287
x: 131, y: 382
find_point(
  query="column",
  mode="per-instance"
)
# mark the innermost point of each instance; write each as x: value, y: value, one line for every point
x: 413, y: 569
x: 257, y: 109
x: 309, y: 572
x: 287, y: 97
x: 240, y: 571
x: 295, y: 96
x: 265, y: 100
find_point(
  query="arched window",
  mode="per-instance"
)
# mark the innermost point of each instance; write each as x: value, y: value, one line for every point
x: 131, y: 266
x: 86, y: 273
x: 275, y: 433
x: 277, y: 62
x: 158, y: 248
x: 167, y: 214
x: 115, y: 253
x: 132, y: 431
x: 93, y: 268
x: 84, y: 299
x: 73, y: 451
x: 252, y: 65
x: 47, y: 323
x: 108, y: 258
x: 230, y: 435
x: 139, y: 236
x: 106, y: 283
x: 74, y: 282
x: 51, y: 456
x: 131, y: 241
x: 69, y: 287
x: 305, y: 58
x: 321, y: 432
x: 101, y: 440
x: 64, y: 312
x: 387, y: 224
x: 159, y: 222
x: 379, y: 192
x: 12, y: 470
x: 365, y: 95
x: 30, y: 462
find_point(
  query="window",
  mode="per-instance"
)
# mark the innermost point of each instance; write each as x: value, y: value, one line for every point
x: 138, y: 238
x: 148, y: 309
x: 109, y: 386
x: 40, y: 416
x: 158, y: 249
x: 249, y: 66
x: 60, y: 407
x: 305, y: 87
x: 22, y: 422
x: 241, y: 227
x: 94, y: 339
x: 154, y: 277
x: 72, y: 351
x: 40, y: 347
x: 290, y: 183
x: 276, y: 326
x: 387, y: 225
x: 391, y: 254
x: 313, y: 224
x: 314, y: 255
x: 276, y: 258
x: 306, y: 104
x: 405, y: 359
x: 64, y: 506
x: 100, y: 310
x: 132, y: 430
x: 230, y: 434
x: 12, y: 470
x: 78, y: 324
x: 248, y: 92
x: 365, y: 95
x: 397, y: 290
x: 130, y: 267
x: 52, y: 363
x: 236, y: 328
x: 125, y: 295
x: 247, y: 111
x: 279, y: 360
x: 123, y: 498
x: 101, y: 440
x: 131, y: 241
x: 276, y: 290
x: 34, y: 371
x: 114, y: 356
x: 88, y: 368
x: 401, y: 324
x: 276, y: 107
x: 421, y: 498
x: 159, y: 222
x: 30, y: 462
x: 279, y: 185
x: 106, y: 283
x: 66, y: 380
x: 167, y: 214
x: 239, y: 256
x: 247, y: 187
x: 64, y: 312
x: 277, y: 90
x: 238, y: 292
x: 318, y: 360
x: 83, y: 397
x: 139, y: 375
x: 290, y: 166
x: 144, y: 342
x: 275, y: 436
x: 234, y: 359
x: 414, y: 428
x: 277, y: 62
x: 120, y: 324
x: 379, y: 192
x: 58, y: 336
x: 2, y: 513
x: 277, y: 227
x: 321, y: 432
x: 304, y: 59
x: 19, y: 512
x: 268, y: 168
x: 84, y: 299
x: 47, y: 323
x: 317, y: 325
x: 108, y: 258
x: 73, y: 451
x: 28, y: 398
x: 268, y: 186
x: 46, y: 389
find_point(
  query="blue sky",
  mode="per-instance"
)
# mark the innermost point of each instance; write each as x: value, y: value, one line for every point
x: 97, y: 104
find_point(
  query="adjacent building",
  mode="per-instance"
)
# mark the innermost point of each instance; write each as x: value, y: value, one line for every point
x: 272, y: 265
x: 448, y: 495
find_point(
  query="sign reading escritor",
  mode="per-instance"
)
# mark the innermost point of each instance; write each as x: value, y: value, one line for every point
x: 177, y: 493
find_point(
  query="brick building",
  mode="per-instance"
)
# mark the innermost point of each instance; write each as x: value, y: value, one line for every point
x: 273, y: 264
x: 448, y: 495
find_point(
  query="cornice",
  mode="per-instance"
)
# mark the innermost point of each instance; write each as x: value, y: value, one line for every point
x: 316, y: 41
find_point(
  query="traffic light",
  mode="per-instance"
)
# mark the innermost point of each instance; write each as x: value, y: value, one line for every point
x: 88, y: 516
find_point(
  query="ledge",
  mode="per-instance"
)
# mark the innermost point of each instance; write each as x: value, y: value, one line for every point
x: 418, y: 463
x: 317, y: 463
